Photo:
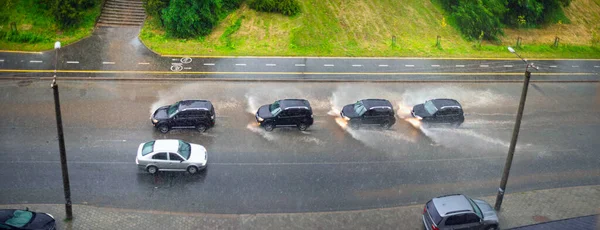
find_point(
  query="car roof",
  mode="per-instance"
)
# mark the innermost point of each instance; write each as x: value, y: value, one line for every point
x: 195, y: 104
x: 165, y: 145
x: 452, y: 204
x: 442, y: 102
x: 286, y: 103
x: 370, y: 103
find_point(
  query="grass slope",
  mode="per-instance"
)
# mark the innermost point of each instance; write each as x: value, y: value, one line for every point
x: 33, y: 23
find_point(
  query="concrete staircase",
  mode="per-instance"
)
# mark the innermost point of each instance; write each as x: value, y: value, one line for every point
x: 119, y: 13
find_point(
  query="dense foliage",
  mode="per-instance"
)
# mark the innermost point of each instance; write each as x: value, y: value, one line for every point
x: 476, y: 17
x: 285, y: 7
x: 68, y: 13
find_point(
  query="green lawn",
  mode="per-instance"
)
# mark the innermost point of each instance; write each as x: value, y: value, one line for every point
x: 37, y: 29
x: 348, y: 28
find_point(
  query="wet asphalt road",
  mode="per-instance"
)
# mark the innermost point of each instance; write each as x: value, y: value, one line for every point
x: 325, y: 168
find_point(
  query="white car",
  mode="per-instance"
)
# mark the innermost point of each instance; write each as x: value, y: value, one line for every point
x: 171, y: 155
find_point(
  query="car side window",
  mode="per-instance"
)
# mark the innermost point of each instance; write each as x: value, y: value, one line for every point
x: 471, y: 218
x: 160, y: 156
x: 370, y: 113
x: 453, y: 112
x: 442, y: 112
x: 455, y: 220
x: 182, y: 114
x: 285, y: 113
x: 174, y: 157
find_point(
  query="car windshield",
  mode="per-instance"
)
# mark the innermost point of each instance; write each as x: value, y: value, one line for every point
x: 184, y: 149
x: 359, y: 108
x: 173, y: 109
x: 430, y: 107
x: 476, y: 208
x: 147, y: 148
x: 275, y: 108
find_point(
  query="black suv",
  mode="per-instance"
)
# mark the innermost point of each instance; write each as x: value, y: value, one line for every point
x: 369, y: 112
x: 286, y: 112
x: 439, y: 111
x: 198, y: 114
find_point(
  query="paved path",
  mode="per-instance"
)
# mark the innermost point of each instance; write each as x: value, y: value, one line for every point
x: 518, y: 209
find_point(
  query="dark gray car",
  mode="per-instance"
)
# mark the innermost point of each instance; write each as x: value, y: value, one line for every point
x: 459, y: 212
x: 439, y: 111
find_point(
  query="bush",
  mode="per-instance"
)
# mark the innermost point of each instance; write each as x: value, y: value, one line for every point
x: 190, y: 18
x: 535, y: 12
x: 68, y: 13
x: 154, y: 7
x: 285, y: 7
x: 229, y: 5
x: 474, y: 19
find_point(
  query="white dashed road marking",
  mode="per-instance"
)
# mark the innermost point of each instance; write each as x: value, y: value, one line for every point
x: 357, y: 65
x: 383, y: 65
x: 435, y: 65
x: 328, y: 65
x: 508, y: 66
x: 460, y: 65
x: 187, y: 67
x: 241, y: 64
x: 143, y: 63
x: 35, y: 61
x: 300, y: 64
x: 597, y: 66
x: 209, y: 63
x: 270, y: 65
x: 175, y: 59
x: 72, y: 62
x: 484, y: 66
x: 1, y: 60
x: 553, y: 66
x: 575, y: 66
x: 108, y: 63
x: 409, y: 65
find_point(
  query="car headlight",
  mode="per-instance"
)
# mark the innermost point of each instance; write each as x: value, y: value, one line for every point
x: 259, y: 118
x: 212, y: 117
x: 154, y: 120
x: 346, y: 118
x: 418, y: 117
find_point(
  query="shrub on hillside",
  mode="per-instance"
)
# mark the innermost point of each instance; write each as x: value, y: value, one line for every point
x: 155, y: 7
x: 285, y: 7
x: 535, y: 12
x: 190, y: 18
x: 68, y: 13
x: 475, y: 19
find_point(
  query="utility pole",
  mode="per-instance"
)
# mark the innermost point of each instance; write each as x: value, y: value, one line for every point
x: 515, y: 136
x: 61, y: 141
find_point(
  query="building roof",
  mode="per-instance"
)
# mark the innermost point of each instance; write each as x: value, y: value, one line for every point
x: 451, y: 203
x: 370, y: 103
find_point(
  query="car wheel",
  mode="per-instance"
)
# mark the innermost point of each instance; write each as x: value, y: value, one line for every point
x: 269, y: 127
x: 192, y: 170
x: 386, y: 124
x: 163, y: 128
x: 201, y: 128
x: 302, y: 126
x: 152, y: 169
x: 493, y: 227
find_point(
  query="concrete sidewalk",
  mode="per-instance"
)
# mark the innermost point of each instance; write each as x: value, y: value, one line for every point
x: 518, y: 209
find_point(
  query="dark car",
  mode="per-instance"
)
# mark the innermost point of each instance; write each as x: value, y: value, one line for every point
x: 439, y: 111
x: 369, y: 112
x: 25, y: 219
x: 459, y: 212
x: 197, y: 114
x: 286, y: 112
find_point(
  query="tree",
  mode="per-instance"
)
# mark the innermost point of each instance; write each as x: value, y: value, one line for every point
x: 190, y: 18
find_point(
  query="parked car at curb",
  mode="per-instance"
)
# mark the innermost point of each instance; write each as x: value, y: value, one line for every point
x: 439, y: 111
x: 459, y: 212
x: 171, y: 155
x: 378, y: 112
x: 195, y: 114
x: 26, y: 220
x: 286, y: 112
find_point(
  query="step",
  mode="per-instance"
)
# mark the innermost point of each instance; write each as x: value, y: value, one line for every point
x: 115, y: 25
x: 139, y: 3
x: 114, y: 5
x: 124, y: 15
x: 140, y: 10
x: 120, y: 11
x: 107, y: 12
x: 117, y: 22
x: 120, y: 16
x: 121, y: 19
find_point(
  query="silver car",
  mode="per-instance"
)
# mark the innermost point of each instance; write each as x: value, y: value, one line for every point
x: 171, y: 155
x: 459, y: 212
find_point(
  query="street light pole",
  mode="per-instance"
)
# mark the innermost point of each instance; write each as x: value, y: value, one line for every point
x: 61, y: 141
x: 513, y: 141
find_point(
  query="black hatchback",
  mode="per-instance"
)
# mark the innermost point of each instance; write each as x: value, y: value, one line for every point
x: 439, y: 111
x: 378, y: 112
x: 196, y: 114
x: 286, y: 112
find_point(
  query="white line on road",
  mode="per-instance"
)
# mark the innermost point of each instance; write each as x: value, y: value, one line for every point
x: 484, y: 66
x: 241, y: 64
x: 435, y: 65
x: 409, y: 65
x: 209, y: 63
x: 72, y: 62
x: 1, y: 60
x: 108, y: 63
x: 328, y: 65
x: 143, y: 63
x: 508, y: 66
x: 270, y: 64
x: 175, y: 59
x: 35, y: 61
x: 575, y: 66
x: 187, y: 67
x: 383, y: 65
x: 357, y: 65
x: 300, y: 64
x: 460, y: 65
x: 597, y: 66
x: 553, y: 66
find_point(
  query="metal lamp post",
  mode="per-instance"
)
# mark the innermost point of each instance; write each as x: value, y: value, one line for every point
x: 513, y: 141
x: 61, y: 141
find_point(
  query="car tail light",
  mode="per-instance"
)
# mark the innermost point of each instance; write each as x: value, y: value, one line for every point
x: 433, y: 227
x: 424, y: 209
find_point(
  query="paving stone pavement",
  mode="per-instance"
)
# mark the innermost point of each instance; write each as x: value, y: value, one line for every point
x: 518, y: 209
